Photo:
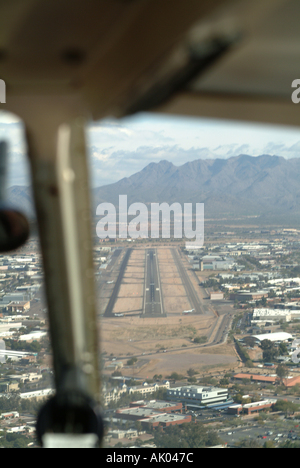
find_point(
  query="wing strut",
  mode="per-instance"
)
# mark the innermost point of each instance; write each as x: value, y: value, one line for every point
x: 61, y: 193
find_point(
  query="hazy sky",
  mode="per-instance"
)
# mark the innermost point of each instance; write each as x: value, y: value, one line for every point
x: 119, y: 148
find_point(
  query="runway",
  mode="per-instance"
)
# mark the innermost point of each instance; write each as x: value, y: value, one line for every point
x: 108, y: 311
x: 153, y: 305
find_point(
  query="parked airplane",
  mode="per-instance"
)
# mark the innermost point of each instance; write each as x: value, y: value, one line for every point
x: 188, y: 311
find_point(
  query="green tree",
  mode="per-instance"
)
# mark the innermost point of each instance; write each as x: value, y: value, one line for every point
x: 186, y: 436
x: 290, y: 444
x: 224, y: 382
x: 138, y: 442
x: 131, y: 361
x: 270, y: 351
x: 282, y: 372
x: 200, y: 339
x: 191, y: 372
x: 175, y: 376
x: 20, y: 443
x: 192, y: 380
x: 249, y: 363
x: 283, y: 348
x: 263, y: 301
x: 157, y: 377
x: 138, y: 426
x: 285, y: 406
x: 249, y: 443
x: 249, y: 341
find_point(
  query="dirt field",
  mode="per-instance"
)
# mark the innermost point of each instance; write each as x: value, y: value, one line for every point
x: 175, y: 299
x: 131, y: 335
x: 182, y: 361
x: 130, y: 298
x: 125, y: 336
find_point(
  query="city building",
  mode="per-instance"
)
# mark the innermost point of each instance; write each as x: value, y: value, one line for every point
x: 115, y: 394
x: 18, y: 355
x: 158, y: 405
x: 154, y: 414
x: 198, y: 396
x: 121, y: 434
x: 24, y: 378
x: 268, y: 379
x: 216, y: 296
x: 166, y: 420
x: 34, y: 336
x: 262, y: 315
x: 148, y: 388
x: 10, y: 415
x: 38, y: 394
x: 250, y: 408
x: 136, y: 413
x: 245, y: 296
x: 9, y: 386
x: 21, y: 307
x: 209, y: 262
x: 15, y: 297
x: 114, y: 365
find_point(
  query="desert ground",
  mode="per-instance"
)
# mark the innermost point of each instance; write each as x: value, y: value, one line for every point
x: 175, y: 299
x: 129, y: 336
x: 130, y: 297
x: 180, y: 362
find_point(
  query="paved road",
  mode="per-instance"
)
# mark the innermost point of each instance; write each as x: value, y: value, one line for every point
x: 222, y: 332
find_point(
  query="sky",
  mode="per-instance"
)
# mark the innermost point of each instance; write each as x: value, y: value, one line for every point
x: 120, y: 148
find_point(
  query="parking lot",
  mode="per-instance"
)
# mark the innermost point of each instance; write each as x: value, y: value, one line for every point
x: 239, y: 429
x: 263, y: 433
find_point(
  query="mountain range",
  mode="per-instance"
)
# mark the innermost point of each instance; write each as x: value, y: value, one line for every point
x: 243, y: 185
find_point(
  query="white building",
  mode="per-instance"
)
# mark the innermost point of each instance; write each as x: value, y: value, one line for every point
x: 262, y: 315
x: 216, y: 296
x: 195, y: 395
x: 39, y: 394
x: 115, y: 394
x: 10, y: 415
x: 20, y: 429
x: 148, y: 388
x: 34, y: 336
x: 30, y: 377
x: 15, y: 355
x: 119, y: 434
x: 280, y: 336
